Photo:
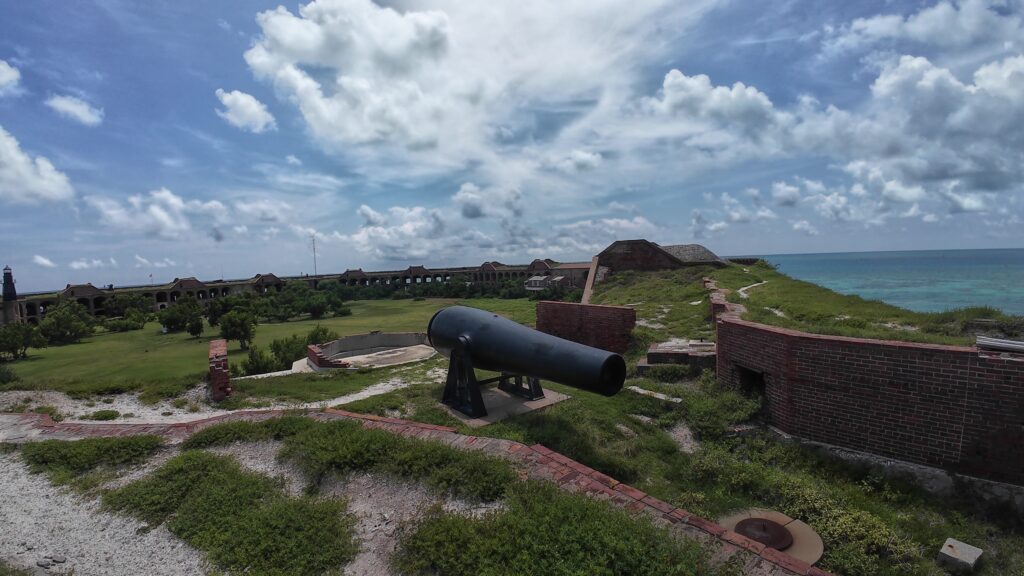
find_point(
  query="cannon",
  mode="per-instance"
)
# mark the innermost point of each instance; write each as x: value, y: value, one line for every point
x: 473, y: 338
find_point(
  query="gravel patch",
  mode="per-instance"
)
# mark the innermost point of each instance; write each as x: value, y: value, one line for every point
x: 683, y: 438
x: 41, y: 520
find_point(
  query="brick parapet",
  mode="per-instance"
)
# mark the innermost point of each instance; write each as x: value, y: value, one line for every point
x: 320, y: 359
x: 950, y: 407
x: 536, y: 462
x: 605, y: 327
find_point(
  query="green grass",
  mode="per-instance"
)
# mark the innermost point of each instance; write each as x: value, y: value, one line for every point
x: 66, y: 462
x: 8, y: 570
x: 554, y: 534
x: 816, y: 309
x: 165, y: 365
x: 242, y: 520
x: 104, y: 415
x: 230, y: 432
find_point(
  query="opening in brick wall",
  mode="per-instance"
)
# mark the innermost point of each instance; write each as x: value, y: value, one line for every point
x: 752, y: 385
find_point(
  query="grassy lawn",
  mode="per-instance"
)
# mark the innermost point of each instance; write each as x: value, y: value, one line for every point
x: 163, y: 365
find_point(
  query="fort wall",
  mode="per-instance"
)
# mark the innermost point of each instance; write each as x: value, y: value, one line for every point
x: 604, y: 327
x: 950, y: 407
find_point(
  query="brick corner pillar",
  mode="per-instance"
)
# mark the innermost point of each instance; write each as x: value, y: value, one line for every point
x: 219, y: 386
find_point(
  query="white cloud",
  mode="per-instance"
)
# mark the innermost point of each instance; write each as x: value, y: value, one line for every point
x: 9, y: 78
x: 264, y: 209
x: 949, y: 25
x: 370, y: 216
x: 402, y: 234
x: 241, y: 230
x: 805, y: 227
x: 700, y: 226
x: 578, y: 161
x: 294, y: 161
x: 476, y: 203
x: 738, y: 213
x: 92, y: 263
x: 965, y: 201
x: 76, y: 109
x: 785, y: 194
x: 161, y: 213
x: 28, y: 180
x: 43, y: 261
x: 244, y: 111
x: 739, y: 107
x: 141, y: 262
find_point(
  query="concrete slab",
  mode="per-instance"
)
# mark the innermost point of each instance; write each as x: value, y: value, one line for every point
x: 807, y: 545
x: 392, y: 357
x: 958, y: 557
x: 501, y: 405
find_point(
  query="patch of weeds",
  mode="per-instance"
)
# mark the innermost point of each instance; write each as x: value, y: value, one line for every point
x: 52, y: 411
x: 179, y: 403
x: 107, y: 400
x: 166, y: 413
x: 104, y: 415
x: 230, y: 432
x: 671, y: 372
x: 242, y: 520
x: 63, y: 461
x: 345, y: 446
x: 193, y: 407
x: 568, y: 534
x: 7, y: 374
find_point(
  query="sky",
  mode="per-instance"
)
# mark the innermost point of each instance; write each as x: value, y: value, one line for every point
x: 165, y: 139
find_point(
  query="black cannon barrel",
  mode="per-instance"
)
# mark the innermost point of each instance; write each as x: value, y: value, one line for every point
x: 499, y: 344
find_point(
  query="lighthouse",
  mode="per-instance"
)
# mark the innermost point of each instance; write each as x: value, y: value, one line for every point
x: 9, y: 312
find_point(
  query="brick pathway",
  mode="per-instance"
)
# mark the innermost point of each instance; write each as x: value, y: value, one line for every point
x: 537, y: 462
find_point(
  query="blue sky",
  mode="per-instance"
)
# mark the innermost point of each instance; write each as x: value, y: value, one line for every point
x: 212, y: 138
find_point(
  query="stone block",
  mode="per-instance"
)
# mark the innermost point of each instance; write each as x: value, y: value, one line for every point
x: 958, y: 557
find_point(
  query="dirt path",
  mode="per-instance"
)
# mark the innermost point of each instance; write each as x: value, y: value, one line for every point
x: 743, y: 291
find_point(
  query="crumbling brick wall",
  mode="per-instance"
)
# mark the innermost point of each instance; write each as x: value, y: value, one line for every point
x: 952, y: 407
x: 219, y: 385
x: 605, y: 327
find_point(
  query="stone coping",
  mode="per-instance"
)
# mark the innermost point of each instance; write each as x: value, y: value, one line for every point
x: 536, y: 462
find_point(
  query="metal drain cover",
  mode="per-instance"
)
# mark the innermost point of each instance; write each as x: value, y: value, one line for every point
x: 771, y: 534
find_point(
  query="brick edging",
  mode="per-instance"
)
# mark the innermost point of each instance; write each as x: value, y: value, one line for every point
x: 539, y: 462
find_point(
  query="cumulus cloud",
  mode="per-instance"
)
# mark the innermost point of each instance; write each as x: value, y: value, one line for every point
x: 28, y: 180
x: 74, y: 108
x: 737, y: 212
x: 950, y: 25
x: 43, y: 261
x: 476, y: 203
x: 244, y: 111
x: 577, y: 161
x: 9, y: 78
x: 701, y: 227
x: 805, y: 227
x: 401, y: 234
x: 161, y: 213
x: 264, y: 209
x: 785, y: 194
x: 370, y: 216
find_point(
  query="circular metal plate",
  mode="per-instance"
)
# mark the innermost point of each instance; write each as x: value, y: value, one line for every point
x: 771, y: 534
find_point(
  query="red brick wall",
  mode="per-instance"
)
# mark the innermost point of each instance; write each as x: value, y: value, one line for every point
x: 950, y: 407
x: 604, y: 327
x: 220, y: 378
x: 321, y: 360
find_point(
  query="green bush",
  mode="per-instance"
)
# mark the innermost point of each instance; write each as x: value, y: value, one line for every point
x: 344, y: 446
x: 104, y: 415
x: 62, y: 460
x: 563, y: 534
x: 320, y: 334
x: 230, y: 432
x: 52, y: 411
x: 241, y: 520
x: 7, y: 375
x: 671, y: 372
x: 258, y: 361
x: 66, y: 323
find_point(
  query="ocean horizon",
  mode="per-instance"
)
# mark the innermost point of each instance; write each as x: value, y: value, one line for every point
x: 919, y: 280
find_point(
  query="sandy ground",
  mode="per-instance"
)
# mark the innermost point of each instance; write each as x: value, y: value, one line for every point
x: 41, y: 520
x: 197, y: 408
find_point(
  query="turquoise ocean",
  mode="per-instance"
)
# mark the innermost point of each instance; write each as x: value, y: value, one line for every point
x: 925, y: 281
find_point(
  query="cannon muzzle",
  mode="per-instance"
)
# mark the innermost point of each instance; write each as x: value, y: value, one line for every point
x: 473, y: 338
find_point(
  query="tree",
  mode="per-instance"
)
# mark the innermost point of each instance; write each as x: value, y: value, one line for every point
x: 195, y: 326
x: 123, y: 304
x: 177, y: 317
x: 258, y: 361
x: 316, y: 305
x: 238, y: 325
x: 287, y: 350
x: 68, y: 322
x: 16, y: 339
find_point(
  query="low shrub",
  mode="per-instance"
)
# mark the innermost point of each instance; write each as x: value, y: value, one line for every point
x: 345, y: 446
x: 63, y: 461
x: 568, y: 534
x: 671, y: 372
x: 241, y: 519
x: 8, y: 375
x: 230, y: 432
x: 51, y: 411
x: 104, y: 415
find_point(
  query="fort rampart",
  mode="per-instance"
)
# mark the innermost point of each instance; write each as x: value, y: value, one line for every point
x: 604, y: 327
x: 951, y: 407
